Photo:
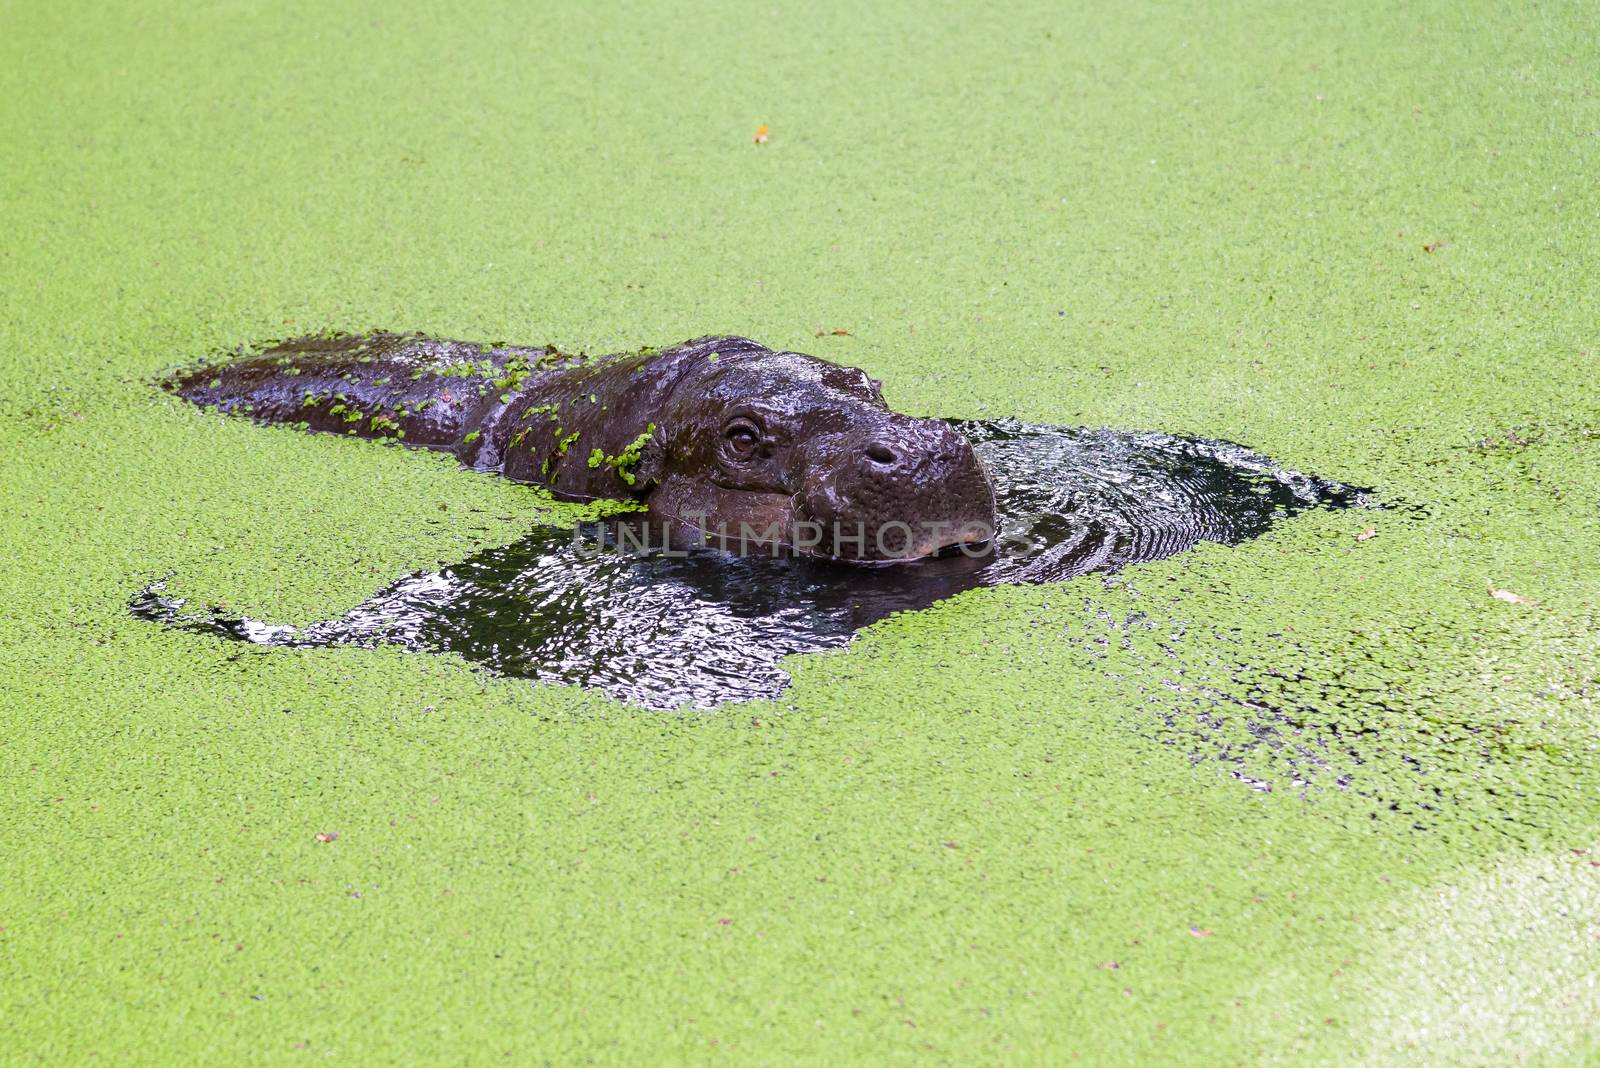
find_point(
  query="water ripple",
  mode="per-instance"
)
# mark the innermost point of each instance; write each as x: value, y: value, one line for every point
x: 708, y: 627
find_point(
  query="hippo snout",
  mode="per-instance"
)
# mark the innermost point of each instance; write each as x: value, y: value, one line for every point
x: 902, y: 489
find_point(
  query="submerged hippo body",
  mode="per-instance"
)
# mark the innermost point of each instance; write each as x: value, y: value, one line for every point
x: 722, y: 438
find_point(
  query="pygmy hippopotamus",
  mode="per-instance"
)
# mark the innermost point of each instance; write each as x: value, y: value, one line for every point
x: 725, y: 441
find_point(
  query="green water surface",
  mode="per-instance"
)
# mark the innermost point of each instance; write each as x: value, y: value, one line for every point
x: 1320, y: 798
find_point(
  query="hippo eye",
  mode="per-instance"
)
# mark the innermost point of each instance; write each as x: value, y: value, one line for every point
x: 742, y: 438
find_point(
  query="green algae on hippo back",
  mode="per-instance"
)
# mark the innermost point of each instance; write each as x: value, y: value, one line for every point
x: 659, y: 611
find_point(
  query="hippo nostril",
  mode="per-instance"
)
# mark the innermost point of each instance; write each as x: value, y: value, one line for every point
x: 880, y: 453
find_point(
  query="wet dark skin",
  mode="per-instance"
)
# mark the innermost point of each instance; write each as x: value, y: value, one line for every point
x: 724, y: 440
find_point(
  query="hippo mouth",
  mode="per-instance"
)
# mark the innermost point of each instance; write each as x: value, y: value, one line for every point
x: 974, y: 545
x: 777, y: 525
x: 894, y: 541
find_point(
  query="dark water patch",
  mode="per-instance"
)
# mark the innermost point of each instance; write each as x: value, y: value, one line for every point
x: 660, y: 629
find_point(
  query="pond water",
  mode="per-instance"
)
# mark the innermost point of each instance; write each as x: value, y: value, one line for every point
x: 658, y: 629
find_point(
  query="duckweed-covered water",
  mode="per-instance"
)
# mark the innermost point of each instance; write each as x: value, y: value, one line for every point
x: 1023, y: 825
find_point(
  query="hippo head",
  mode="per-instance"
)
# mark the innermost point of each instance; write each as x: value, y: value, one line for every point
x: 761, y: 448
